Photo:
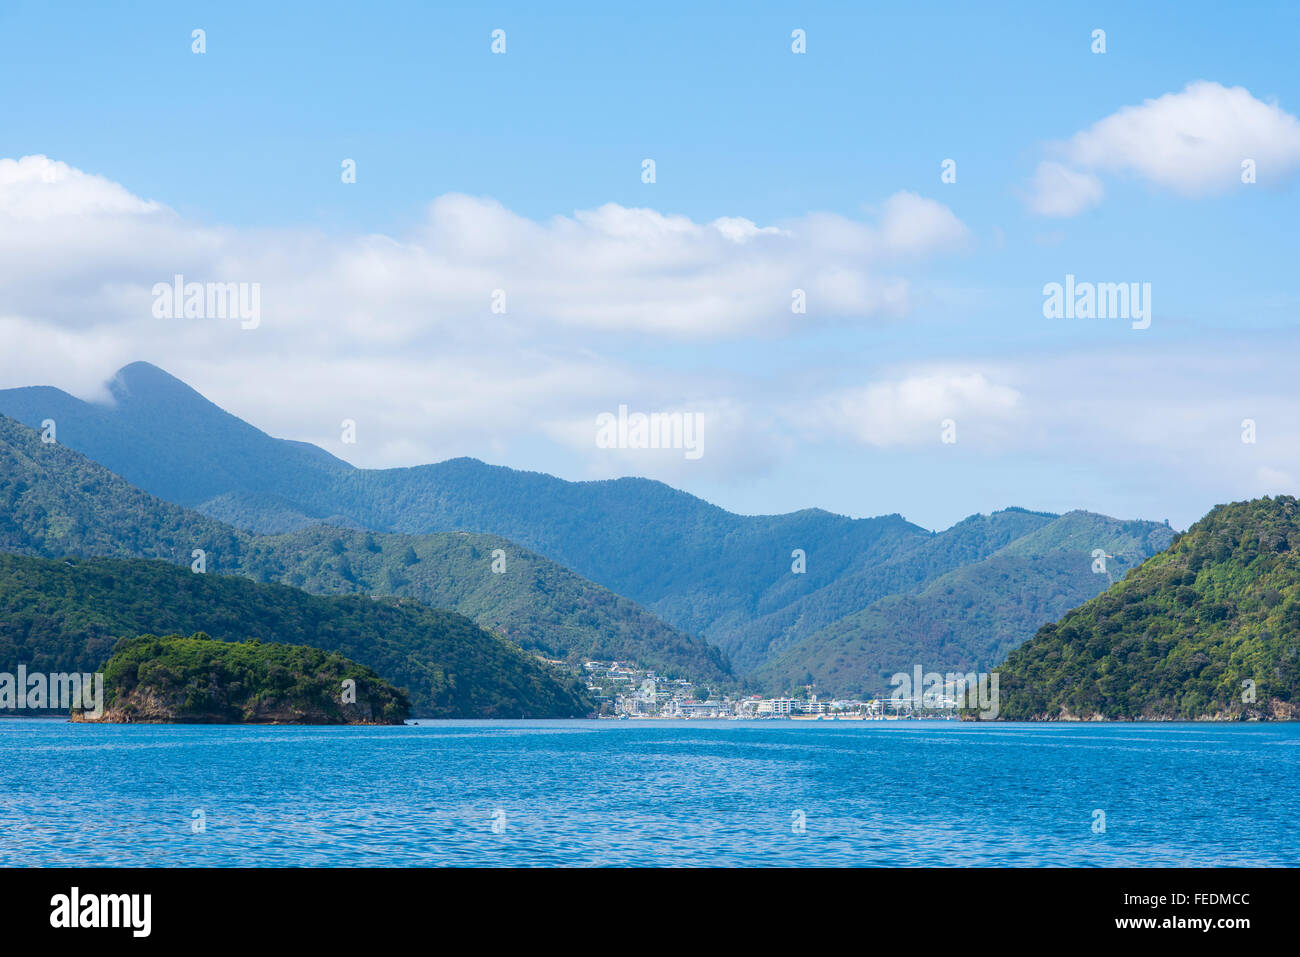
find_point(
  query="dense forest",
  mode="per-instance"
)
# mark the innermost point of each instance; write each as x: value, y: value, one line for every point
x: 1208, y: 628
x: 198, y: 680
x: 68, y: 615
x: 971, y: 617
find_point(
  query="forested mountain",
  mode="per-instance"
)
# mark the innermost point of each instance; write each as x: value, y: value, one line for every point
x: 700, y: 568
x: 54, y: 502
x: 155, y: 429
x: 969, y: 618
x: 905, y: 568
x: 68, y: 615
x: 1210, y: 627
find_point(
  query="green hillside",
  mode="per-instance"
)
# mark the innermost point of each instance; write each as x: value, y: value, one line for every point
x: 534, y: 602
x: 1181, y: 635
x: 55, y: 502
x: 902, y: 569
x: 971, y: 617
x: 198, y: 680
x: 67, y: 615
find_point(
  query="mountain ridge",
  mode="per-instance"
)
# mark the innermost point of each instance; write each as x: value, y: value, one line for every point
x: 949, y: 624
x: 700, y: 568
x: 55, y: 502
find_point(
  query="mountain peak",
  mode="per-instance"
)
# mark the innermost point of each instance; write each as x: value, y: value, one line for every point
x: 141, y: 367
x: 145, y: 382
x: 168, y: 439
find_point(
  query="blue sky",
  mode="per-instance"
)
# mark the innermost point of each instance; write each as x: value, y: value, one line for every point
x: 241, y: 147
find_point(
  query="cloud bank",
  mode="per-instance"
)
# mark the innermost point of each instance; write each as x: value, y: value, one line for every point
x: 605, y: 307
x: 1192, y: 143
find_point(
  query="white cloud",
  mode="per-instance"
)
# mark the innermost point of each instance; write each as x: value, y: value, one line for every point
x: 397, y: 331
x: 1192, y: 142
x: 1057, y: 190
x: 78, y: 250
x: 912, y: 224
x: 1273, y: 481
x: 605, y: 306
x: 1169, y: 429
x: 909, y: 410
x: 37, y: 189
x: 730, y: 437
x: 1091, y: 424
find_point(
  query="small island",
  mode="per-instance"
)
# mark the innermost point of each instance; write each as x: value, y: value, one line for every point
x: 200, y: 680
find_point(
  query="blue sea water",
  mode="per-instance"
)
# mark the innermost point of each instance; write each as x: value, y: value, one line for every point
x: 650, y: 793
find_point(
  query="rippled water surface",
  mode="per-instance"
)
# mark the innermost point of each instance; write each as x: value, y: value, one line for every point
x: 660, y: 793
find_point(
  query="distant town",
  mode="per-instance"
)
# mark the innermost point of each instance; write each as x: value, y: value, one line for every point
x: 622, y: 691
